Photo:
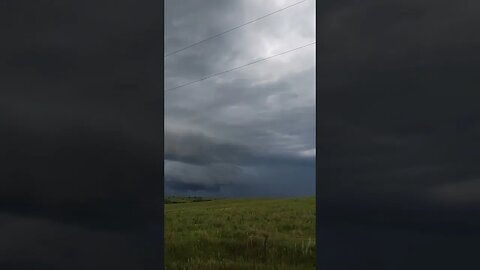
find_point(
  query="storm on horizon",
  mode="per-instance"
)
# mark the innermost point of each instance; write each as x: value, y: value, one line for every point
x: 250, y: 132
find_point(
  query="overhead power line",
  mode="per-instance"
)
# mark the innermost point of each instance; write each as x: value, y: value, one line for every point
x: 239, y: 67
x: 231, y: 29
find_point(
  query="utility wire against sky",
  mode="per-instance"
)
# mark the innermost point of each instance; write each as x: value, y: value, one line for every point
x: 239, y: 67
x: 231, y: 29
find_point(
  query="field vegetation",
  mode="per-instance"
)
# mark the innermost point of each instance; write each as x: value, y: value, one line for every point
x: 239, y: 233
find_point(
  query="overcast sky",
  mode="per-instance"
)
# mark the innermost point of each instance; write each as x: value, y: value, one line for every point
x: 249, y: 132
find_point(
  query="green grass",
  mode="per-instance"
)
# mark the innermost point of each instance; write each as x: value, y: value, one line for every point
x: 240, y: 234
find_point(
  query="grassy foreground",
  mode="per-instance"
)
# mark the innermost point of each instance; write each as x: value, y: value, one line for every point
x: 240, y: 234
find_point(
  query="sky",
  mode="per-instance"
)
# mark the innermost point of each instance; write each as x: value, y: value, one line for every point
x: 397, y: 126
x: 398, y: 134
x: 250, y: 132
x: 80, y: 137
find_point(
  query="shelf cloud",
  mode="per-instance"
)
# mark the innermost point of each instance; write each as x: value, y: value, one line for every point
x: 250, y: 121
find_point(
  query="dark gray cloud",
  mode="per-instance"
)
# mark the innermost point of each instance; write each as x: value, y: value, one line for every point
x: 398, y: 133
x: 195, y: 148
x: 230, y: 135
x: 81, y: 135
x: 197, y: 162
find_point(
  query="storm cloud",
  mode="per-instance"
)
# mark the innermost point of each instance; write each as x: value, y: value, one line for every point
x: 233, y: 134
x: 398, y: 130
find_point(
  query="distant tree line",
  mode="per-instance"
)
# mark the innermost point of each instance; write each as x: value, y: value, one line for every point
x: 184, y: 199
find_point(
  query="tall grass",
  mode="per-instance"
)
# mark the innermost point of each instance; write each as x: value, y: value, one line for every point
x: 241, y: 234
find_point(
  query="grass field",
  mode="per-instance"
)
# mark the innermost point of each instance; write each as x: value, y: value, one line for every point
x: 240, y: 234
